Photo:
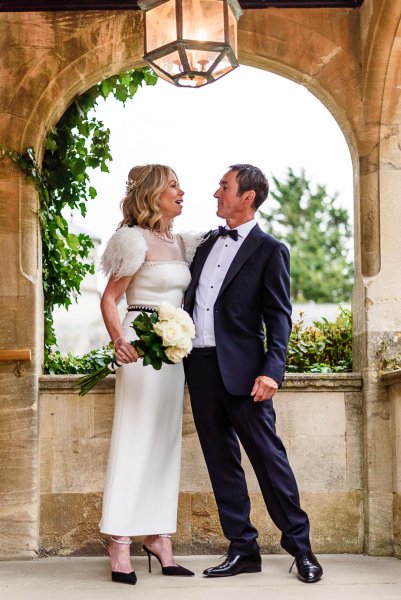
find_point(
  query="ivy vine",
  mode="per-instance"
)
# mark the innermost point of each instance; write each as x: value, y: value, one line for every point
x: 79, y: 141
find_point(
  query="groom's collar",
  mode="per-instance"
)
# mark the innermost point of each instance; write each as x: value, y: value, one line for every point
x: 245, y: 228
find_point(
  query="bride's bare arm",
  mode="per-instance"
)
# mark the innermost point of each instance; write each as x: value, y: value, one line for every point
x: 114, y: 290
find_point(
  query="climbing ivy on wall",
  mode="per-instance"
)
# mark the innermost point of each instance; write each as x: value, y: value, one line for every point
x: 79, y: 141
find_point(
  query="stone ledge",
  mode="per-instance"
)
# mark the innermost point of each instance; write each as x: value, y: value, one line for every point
x: 67, y: 383
x: 391, y: 378
x: 341, y: 382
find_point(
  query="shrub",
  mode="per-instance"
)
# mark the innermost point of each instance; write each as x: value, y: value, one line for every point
x: 325, y: 347
x: 68, y: 364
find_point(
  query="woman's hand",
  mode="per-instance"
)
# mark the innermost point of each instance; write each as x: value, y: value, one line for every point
x: 125, y: 352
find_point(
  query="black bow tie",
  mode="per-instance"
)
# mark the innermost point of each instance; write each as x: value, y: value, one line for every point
x: 232, y: 233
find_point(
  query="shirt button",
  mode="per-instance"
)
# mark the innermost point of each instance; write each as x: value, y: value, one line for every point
x: 207, y: 309
x: 211, y: 286
x: 218, y: 265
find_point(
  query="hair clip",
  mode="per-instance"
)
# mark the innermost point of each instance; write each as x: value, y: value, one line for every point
x: 131, y: 184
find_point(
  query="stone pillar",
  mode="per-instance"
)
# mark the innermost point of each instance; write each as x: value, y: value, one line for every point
x: 45, y: 60
x: 378, y: 327
x: 377, y: 302
x: 20, y: 327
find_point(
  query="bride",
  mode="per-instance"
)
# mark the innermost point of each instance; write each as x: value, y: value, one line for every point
x: 148, y: 263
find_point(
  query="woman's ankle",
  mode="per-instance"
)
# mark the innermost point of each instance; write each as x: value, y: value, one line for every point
x: 119, y: 553
x: 161, y: 545
x: 123, y: 540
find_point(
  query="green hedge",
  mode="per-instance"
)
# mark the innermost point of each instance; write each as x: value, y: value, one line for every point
x: 324, y: 347
x: 68, y: 364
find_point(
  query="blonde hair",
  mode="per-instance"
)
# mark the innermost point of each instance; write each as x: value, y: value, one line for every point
x: 141, y: 204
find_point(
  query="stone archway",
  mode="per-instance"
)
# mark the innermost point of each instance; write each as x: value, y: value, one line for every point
x: 347, y: 58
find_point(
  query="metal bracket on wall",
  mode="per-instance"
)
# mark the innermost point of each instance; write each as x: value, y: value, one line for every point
x: 18, y: 356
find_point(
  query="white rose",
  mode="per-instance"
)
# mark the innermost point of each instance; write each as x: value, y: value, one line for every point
x: 175, y: 354
x: 182, y: 317
x: 189, y: 329
x: 166, y: 311
x: 170, y: 332
x: 187, y: 349
x: 185, y: 344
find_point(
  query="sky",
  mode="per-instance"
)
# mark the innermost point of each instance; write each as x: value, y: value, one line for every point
x: 248, y: 116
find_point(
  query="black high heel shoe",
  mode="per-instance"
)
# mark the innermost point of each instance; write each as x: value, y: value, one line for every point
x: 178, y: 570
x: 124, y: 577
x: 119, y: 577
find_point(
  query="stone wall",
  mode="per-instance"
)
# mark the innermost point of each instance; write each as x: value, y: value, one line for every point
x: 318, y: 417
x: 392, y: 382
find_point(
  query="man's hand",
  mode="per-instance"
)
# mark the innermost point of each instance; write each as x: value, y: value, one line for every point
x: 264, y: 388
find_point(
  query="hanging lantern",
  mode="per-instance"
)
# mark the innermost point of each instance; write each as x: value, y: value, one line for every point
x: 191, y: 42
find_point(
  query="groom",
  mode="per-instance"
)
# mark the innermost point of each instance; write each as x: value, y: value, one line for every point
x: 240, y: 281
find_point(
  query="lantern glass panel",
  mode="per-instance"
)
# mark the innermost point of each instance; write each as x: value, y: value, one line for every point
x: 222, y: 68
x: 160, y: 25
x: 203, y: 20
x: 201, y: 60
x: 170, y: 62
x: 160, y: 73
x: 232, y: 31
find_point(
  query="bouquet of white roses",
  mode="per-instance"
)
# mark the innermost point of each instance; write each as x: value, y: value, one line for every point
x: 164, y: 336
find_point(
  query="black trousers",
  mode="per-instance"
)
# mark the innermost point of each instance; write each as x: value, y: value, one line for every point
x: 221, y: 419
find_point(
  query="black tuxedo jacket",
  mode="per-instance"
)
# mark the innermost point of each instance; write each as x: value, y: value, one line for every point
x: 255, y: 291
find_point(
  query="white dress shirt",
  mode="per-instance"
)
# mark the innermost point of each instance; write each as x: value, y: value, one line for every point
x: 213, y: 274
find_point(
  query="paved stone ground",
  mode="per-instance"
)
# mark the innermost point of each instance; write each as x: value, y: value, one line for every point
x: 347, y: 577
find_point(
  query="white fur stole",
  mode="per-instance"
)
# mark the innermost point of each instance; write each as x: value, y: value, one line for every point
x: 191, y: 240
x: 125, y: 252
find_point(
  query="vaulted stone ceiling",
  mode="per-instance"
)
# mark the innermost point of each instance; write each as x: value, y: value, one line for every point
x: 54, y: 5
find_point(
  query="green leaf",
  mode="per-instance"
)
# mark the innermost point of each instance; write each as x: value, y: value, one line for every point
x: 121, y: 93
x: 150, y: 78
x: 126, y: 79
x: 146, y: 360
x: 72, y: 241
x: 106, y: 87
x: 78, y: 167
x: 132, y: 88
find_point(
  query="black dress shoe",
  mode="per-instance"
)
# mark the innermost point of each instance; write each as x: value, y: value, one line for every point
x: 308, y: 567
x: 235, y: 564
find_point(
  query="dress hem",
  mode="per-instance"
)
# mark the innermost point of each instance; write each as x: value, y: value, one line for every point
x: 136, y: 534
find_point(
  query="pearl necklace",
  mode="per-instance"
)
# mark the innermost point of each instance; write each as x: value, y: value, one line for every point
x: 168, y: 240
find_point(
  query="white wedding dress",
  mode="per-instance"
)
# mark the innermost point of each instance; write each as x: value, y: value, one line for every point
x: 142, y: 479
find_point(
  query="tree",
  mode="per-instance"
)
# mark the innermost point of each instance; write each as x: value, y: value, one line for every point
x: 318, y: 234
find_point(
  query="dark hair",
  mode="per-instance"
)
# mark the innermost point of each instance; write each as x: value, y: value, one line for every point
x: 251, y: 178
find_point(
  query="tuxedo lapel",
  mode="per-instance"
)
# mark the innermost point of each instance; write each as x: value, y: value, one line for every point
x: 198, y: 264
x: 248, y: 247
